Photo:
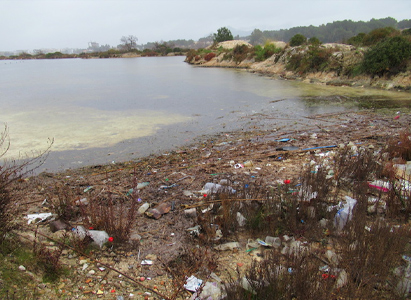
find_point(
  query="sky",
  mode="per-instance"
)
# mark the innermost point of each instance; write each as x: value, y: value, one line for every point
x: 57, y: 24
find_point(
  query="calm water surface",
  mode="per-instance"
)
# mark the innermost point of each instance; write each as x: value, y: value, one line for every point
x: 104, y: 110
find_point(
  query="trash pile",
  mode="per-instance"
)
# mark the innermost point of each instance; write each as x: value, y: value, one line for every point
x: 214, y: 195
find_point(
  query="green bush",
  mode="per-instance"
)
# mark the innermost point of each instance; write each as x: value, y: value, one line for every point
x: 297, y: 40
x: 377, y: 35
x: 314, y: 60
x: 314, y: 41
x: 262, y: 53
x: 357, y: 40
x: 387, y: 57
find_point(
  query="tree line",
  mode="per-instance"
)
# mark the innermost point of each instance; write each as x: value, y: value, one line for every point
x: 335, y: 32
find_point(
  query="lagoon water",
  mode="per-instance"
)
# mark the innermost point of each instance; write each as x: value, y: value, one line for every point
x: 103, y: 110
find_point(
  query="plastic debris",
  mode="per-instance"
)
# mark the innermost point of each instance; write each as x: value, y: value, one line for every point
x: 287, y: 148
x: 227, y: 246
x: 283, y: 140
x: 344, y: 214
x: 37, y: 218
x: 210, y: 187
x: 142, y: 209
x: 147, y: 262
x: 320, y: 147
x: 380, y: 185
x: 193, y: 284
x: 210, y: 290
x: 262, y: 243
x: 241, y: 219
x: 98, y: 236
x: 273, y: 241
x: 82, y: 201
x: 194, y: 230
x: 87, y: 189
x: 142, y: 185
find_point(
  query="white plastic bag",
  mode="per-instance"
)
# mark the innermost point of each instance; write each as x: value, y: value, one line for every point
x: 344, y: 214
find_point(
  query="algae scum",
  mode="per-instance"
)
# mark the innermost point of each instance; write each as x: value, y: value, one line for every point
x: 358, y: 102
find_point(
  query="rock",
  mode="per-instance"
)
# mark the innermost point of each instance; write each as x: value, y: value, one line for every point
x: 160, y: 210
x: 59, y: 225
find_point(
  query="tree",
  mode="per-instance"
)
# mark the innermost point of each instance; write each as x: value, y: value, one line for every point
x: 163, y: 48
x: 256, y: 37
x: 297, y: 40
x: 128, y: 43
x: 223, y: 34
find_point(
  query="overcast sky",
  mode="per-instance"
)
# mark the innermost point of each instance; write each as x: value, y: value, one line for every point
x: 34, y: 24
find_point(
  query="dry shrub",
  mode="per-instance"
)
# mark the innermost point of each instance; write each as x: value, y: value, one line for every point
x: 209, y: 56
x: 10, y: 173
x: 110, y: 212
x: 400, y: 147
x: 62, y: 202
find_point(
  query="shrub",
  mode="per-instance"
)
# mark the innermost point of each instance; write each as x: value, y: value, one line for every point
x: 240, y: 52
x: 209, y: 56
x: 387, y: 57
x: 314, y: 41
x: 113, y: 214
x: 314, y: 60
x: 357, y: 40
x: 377, y: 35
x: 297, y: 40
x: 10, y: 173
x: 262, y: 53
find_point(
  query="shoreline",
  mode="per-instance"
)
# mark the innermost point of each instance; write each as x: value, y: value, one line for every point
x: 254, y: 160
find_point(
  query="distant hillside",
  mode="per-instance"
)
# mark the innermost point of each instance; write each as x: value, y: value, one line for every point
x: 335, y: 32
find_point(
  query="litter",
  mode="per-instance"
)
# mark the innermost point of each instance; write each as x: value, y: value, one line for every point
x: 98, y: 236
x: 287, y: 148
x: 147, y: 262
x: 142, y: 185
x: 216, y: 188
x: 262, y: 243
x: 194, y: 230
x: 193, y: 284
x: 210, y: 290
x: 345, y: 214
x: 158, y: 211
x: 321, y: 147
x: 87, y: 189
x: 142, y: 209
x: 227, y: 246
x: 283, y: 140
x: 37, y: 218
x: 380, y: 185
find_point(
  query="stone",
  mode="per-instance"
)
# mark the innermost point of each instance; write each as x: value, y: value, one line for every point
x: 58, y: 225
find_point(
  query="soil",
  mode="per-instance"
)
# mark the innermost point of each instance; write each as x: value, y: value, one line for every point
x: 255, y: 159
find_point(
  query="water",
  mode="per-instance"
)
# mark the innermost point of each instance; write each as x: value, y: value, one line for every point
x: 103, y: 110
